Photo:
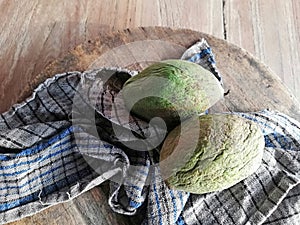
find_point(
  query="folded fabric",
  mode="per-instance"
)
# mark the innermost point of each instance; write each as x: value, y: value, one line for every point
x: 61, y: 142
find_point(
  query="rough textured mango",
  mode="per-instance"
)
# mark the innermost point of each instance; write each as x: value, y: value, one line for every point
x: 228, y: 150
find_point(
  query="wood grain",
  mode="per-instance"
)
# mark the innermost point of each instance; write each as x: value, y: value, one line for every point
x: 243, y: 74
x: 270, y: 30
x: 34, y: 33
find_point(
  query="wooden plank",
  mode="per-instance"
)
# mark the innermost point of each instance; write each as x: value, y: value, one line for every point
x: 35, y: 33
x: 246, y: 78
x: 270, y: 30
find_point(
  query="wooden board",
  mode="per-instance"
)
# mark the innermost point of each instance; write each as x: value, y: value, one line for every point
x: 252, y: 87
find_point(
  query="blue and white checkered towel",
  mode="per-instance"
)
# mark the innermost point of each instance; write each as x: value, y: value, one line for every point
x: 60, y: 143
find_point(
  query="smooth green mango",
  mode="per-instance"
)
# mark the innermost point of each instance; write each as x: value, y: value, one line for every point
x: 172, y: 90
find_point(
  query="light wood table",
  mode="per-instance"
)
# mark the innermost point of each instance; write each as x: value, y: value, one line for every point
x: 36, y: 32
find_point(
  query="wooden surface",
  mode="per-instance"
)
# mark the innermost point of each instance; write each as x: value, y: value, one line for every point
x: 244, y: 76
x: 269, y: 29
x: 35, y: 32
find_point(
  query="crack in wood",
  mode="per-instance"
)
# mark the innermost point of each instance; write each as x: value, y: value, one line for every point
x: 224, y: 20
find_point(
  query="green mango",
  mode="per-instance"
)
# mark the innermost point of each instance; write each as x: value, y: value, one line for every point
x: 226, y: 149
x: 172, y: 90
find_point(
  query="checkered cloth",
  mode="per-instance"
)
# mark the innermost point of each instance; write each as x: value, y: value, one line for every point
x: 60, y: 143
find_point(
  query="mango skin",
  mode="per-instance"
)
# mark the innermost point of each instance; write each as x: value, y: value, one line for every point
x: 185, y: 89
x: 230, y: 148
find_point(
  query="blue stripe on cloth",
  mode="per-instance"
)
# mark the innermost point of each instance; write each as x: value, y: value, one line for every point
x: 157, y: 204
x: 37, y: 177
x: 133, y: 195
x: 14, y: 173
x: 43, y: 158
x: 135, y: 204
x: 43, y: 174
x: 33, y: 150
x: 13, y: 204
x: 46, y: 191
x: 201, y: 55
x: 194, y: 58
x: 38, y: 159
x: 133, y: 186
x: 174, y: 204
x: 285, y: 140
x: 268, y: 142
x: 280, y: 139
x: 275, y: 135
x: 61, y: 143
x: 180, y: 221
x: 211, y: 60
x: 181, y: 199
